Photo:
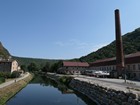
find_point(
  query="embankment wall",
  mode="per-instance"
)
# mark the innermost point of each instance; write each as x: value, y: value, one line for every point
x: 9, y: 91
x: 105, y: 96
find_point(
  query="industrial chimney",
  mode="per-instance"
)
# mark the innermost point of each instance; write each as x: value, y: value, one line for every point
x: 119, y: 45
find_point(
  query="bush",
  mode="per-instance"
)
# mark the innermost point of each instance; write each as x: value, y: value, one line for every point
x: 5, y: 74
x: 2, y: 79
x: 15, y: 74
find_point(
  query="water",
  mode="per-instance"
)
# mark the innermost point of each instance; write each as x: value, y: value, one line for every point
x: 43, y: 91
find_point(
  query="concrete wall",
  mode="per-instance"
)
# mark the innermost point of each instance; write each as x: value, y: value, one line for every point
x: 105, y: 96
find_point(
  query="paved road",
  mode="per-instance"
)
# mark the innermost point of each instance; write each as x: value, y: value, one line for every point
x: 118, y: 84
x: 13, y: 81
x: 114, y: 81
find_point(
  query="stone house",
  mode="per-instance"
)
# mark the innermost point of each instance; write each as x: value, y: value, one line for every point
x: 73, y: 67
x: 9, y: 66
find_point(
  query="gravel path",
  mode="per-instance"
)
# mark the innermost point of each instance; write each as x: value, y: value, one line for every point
x: 13, y: 81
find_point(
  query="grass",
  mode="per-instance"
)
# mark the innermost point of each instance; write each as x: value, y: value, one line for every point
x: 9, y: 91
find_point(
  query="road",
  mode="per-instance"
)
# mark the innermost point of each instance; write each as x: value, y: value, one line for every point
x: 13, y: 81
x: 118, y: 84
x: 114, y: 81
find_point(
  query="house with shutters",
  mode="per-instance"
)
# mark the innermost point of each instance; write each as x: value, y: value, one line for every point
x: 9, y: 66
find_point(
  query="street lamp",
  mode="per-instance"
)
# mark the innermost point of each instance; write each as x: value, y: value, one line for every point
x: 124, y: 74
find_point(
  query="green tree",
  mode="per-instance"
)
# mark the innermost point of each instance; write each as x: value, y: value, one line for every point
x: 23, y: 67
x: 56, y: 66
x: 32, y: 67
x: 15, y: 74
x: 46, y: 68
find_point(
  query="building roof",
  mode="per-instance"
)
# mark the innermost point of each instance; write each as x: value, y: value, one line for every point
x: 129, y: 59
x: 137, y: 54
x: 76, y: 64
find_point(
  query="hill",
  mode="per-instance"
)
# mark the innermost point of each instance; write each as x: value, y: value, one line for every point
x: 37, y: 61
x: 4, y: 53
x: 131, y: 44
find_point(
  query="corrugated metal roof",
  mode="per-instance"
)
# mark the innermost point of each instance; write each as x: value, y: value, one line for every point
x: 77, y: 64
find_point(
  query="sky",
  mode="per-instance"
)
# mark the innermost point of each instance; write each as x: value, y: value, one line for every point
x: 63, y: 29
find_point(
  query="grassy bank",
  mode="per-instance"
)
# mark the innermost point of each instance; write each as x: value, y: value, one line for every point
x: 7, y: 92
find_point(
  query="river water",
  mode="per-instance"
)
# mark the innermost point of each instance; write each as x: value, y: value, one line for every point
x: 43, y: 91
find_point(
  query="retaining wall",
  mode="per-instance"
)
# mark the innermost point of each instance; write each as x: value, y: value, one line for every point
x: 105, y: 96
x: 9, y: 91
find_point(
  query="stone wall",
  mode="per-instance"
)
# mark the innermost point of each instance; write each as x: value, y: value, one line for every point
x: 105, y: 96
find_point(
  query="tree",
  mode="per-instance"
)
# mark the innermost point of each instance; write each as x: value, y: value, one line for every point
x: 32, y: 67
x: 56, y: 66
x: 15, y: 74
x: 46, y: 68
x: 23, y: 67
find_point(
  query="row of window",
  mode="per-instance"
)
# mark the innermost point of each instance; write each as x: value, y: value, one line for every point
x: 74, y: 67
x: 105, y: 68
x: 133, y: 67
x: 128, y: 67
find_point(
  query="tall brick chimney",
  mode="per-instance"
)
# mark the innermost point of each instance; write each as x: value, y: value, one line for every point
x: 119, y: 46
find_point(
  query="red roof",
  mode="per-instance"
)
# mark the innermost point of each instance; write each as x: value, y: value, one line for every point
x: 76, y: 64
x: 130, y: 58
x: 137, y: 54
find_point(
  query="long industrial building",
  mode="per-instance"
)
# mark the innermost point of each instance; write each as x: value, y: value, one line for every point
x: 132, y: 65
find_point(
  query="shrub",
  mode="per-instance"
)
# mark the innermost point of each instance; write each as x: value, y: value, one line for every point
x: 2, y: 79
x: 15, y: 74
x: 5, y: 74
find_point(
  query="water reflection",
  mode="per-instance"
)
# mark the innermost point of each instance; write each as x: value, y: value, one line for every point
x: 44, y: 91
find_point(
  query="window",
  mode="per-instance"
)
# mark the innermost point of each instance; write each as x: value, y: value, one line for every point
x: 139, y: 66
x: 134, y: 67
x: 134, y: 74
x: 128, y: 67
x: 114, y: 67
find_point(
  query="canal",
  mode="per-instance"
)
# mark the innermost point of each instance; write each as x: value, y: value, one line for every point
x: 44, y: 91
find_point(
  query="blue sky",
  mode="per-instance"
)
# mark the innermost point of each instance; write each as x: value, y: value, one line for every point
x: 63, y: 29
